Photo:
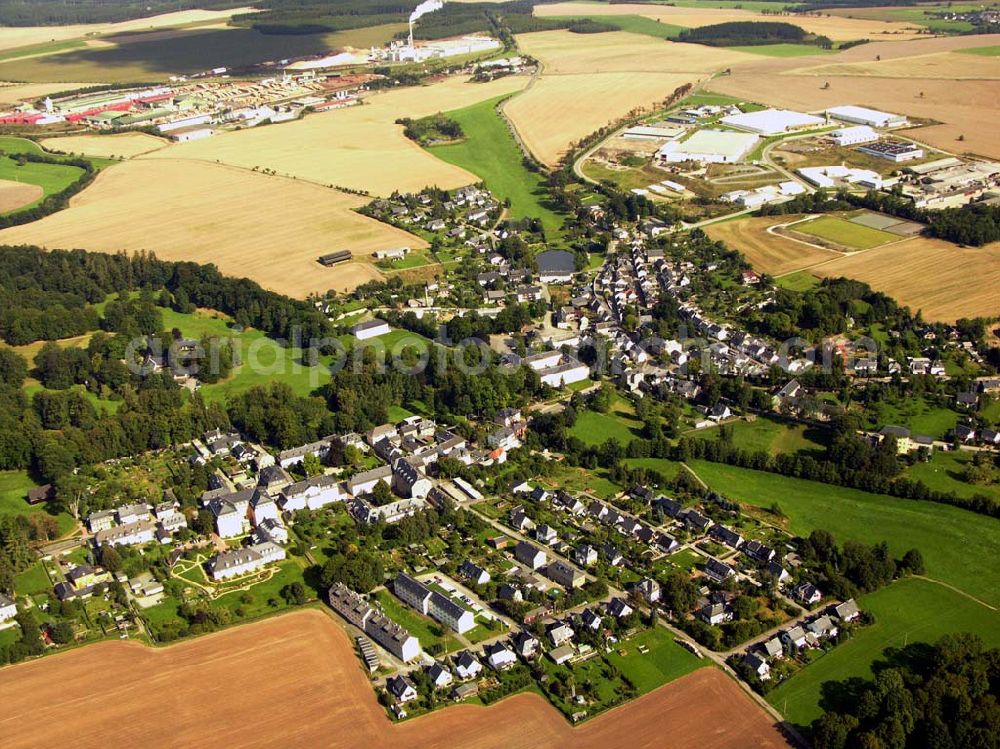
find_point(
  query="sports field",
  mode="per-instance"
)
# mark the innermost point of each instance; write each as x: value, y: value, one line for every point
x: 907, y: 611
x: 490, y: 152
x: 589, y: 80
x: 120, y: 145
x: 103, y: 687
x: 270, y: 229
x: 838, y: 29
x: 361, y: 148
x: 953, y: 541
x: 767, y: 252
x: 845, y: 233
x: 943, y: 280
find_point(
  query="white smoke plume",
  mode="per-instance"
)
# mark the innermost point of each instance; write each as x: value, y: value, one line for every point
x: 427, y: 6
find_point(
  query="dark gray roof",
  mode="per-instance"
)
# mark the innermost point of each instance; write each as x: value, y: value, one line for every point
x: 556, y: 260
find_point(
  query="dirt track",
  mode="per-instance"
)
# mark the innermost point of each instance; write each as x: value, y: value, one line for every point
x: 294, y: 681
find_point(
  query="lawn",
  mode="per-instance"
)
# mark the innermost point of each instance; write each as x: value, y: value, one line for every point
x: 398, y: 413
x: 769, y: 435
x: 594, y: 428
x: 619, y: 424
x: 905, y: 612
x: 425, y: 630
x: 490, y: 152
x: 667, y: 468
x: 944, y: 473
x: 263, y: 359
x: 783, y: 50
x: 686, y: 559
x: 953, y: 541
x: 632, y: 24
x: 14, y: 487
x: 843, y: 232
x: 665, y: 661
x: 917, y: 414
x: 32, y: 581
x: 800, y: 280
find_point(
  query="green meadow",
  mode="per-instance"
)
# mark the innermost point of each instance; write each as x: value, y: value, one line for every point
x: 489, y: 151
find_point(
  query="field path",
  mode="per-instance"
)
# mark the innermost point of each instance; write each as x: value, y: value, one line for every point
x: 961, y: 592
x: 294, y: 680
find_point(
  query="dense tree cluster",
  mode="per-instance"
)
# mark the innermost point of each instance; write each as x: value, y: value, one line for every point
x: 433, y: 129
x: 745, y: 33
x: 824, y: 310
x: 854, y: 568
x: 943, y: 696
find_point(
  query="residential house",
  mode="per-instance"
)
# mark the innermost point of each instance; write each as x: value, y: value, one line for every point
x: 474, y: 573
x: 649, y: 590
x: 8, y: 608
x: 847, y: 611
x: 401, y: 689
x: 758, y: 665
x: 531, y: 556
x: 794, y: 638
x: 433, y: 604
x: 807, y: 593
x: 467, y: 666
x: 822, y: 627
x: 561, y: 573
x: 526, y: 645
x: 499, y: 656
x: 560, y: 633
x: 440, y: 675
x: 718, y: 571
x: 619, y: 608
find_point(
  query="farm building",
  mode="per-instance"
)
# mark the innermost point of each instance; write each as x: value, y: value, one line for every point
x: 334, y: 258
x: 893, y: 151
x: 865, y: 116
x: 710, y: 146
x: 370, y: 329
x: 190, y: 133
x: 853, y: 136
x: 834, y: 175
x: 395, y: 254
x: 772, y: 121
x: 556, y: 266
x: 652, y: 132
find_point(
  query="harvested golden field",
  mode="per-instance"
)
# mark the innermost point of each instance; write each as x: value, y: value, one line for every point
x: 14, y: 195
x: 950, y: 65
x: 308, y: 690
x: 589, y: 80
x: 766, y: 252
x: 941, y: 279
x: 561, y: 109
x: 360, y: 148
x: 838, y: 29
x: 266, y: 228
x: 125, y: 145
x: 564, y: 52
x: 968, y: 108
x: 21, y: 36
